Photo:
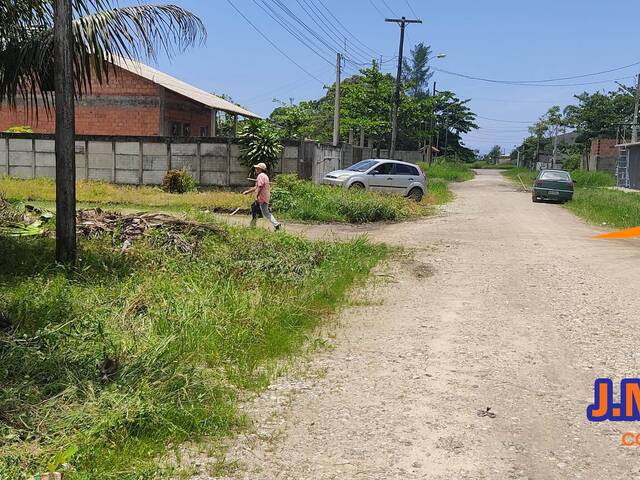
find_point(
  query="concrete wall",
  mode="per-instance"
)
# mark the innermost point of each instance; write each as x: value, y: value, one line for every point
x: 145, y: 160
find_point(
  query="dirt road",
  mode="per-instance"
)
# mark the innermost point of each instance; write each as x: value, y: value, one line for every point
x: 512, y: 307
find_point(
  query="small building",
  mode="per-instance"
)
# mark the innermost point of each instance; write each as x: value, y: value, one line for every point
x: 628, y: 166
x: 604, y: 155
x: 504, y: 159
x: 138, y: 100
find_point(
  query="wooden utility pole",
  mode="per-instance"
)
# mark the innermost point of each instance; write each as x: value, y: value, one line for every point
x: 430, y: 152
x: 65, y: 133
x: 336, y: 108
x: 396, y: 97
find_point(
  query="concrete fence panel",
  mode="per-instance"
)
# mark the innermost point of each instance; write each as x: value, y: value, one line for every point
x: 145, y: 160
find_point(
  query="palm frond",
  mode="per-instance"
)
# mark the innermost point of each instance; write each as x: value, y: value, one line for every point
x: 101, y: 36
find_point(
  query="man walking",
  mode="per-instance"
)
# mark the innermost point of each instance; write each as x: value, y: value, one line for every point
x: 263, y: 194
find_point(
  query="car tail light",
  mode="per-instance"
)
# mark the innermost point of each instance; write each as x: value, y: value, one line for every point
x: 570, y: 184
x: 538, y: 183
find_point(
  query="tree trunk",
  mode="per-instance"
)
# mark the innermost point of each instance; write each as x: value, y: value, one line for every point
x: 65, y: 133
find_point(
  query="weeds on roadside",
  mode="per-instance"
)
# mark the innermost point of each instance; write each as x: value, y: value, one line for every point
x: 448, y: 171
x: 302, y: 200
x: 184, y: 335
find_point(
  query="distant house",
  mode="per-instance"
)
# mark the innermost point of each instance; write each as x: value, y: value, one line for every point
x: 504, y: 159
x: 138, y: 100
x: 628, y: 165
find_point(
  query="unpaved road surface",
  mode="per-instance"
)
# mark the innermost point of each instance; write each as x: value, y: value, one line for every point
x: 512, y: 306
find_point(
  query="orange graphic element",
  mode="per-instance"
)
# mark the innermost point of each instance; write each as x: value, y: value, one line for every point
x: 628, y: 233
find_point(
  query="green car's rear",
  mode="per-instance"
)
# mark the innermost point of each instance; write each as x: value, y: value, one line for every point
x: 554, y: 185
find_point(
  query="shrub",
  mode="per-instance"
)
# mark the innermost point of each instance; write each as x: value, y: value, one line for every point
x: 260, y: 144
x: 178, y: 181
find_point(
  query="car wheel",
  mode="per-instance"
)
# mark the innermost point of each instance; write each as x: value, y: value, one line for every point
x: 356, y: 186
x: 416, y: 195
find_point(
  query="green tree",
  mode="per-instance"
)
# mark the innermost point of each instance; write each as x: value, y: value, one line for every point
x: 494, y: 154
x: 416, y: 70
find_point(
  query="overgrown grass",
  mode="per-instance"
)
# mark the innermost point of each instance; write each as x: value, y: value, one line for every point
x: 606, y: 206
x: 304, y: 201
x: 189, y: 332
x: 448, y: 171
x: 523, y: 175
x: 44, y: 189
x: 292, y: 199
x: 484, y: 165
x: 593, y: 200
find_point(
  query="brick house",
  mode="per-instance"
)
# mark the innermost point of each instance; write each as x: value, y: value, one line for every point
x: 138, y: 100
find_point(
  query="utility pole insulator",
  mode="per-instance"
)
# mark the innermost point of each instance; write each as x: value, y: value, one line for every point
x: 396, y: 97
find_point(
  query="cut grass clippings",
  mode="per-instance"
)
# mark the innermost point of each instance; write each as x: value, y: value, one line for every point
x: 126, y: 354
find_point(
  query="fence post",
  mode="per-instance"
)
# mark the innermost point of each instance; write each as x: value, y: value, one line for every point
x: 8, y: 154
x: 113, y: 170
x: 141, y: 163
x: 33, y: 158
x: 86, y: 159
x: 228, y: 162
x: 169, y: 156
x: 199, y: 162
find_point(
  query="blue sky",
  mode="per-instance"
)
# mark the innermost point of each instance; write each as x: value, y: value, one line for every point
x: 499, y: 39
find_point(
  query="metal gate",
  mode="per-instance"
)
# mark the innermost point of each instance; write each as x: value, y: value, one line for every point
x: 622, y: 169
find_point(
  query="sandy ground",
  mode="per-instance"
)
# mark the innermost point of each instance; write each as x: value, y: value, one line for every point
x: 509, y: 305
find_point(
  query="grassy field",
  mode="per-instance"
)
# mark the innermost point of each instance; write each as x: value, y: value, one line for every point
x: 104, y: 365
x: 484, y: 165
x: 593, y: 200
x: 292, y: 200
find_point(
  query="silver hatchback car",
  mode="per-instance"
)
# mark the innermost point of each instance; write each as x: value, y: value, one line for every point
x: 380, y: 175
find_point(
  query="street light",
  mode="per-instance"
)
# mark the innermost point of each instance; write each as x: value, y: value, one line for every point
x: 441, y: 55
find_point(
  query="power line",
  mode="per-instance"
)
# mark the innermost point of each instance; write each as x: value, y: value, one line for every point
x: 329, y: 23
x: 505, y: 121
x: 507, y: 82
x: 376, y: 7
x: 274, y: 45
x: 413, y: 12
x: 388, y: 7
x: 306, y: 27
x: 293, y: 31
x: 347, y: 30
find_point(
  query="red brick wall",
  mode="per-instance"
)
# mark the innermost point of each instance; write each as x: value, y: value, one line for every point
x: 181, y: 109
x: 604, y: 147
x: 127, y: 105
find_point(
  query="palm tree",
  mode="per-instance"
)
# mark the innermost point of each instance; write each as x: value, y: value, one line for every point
x: 77, y: 41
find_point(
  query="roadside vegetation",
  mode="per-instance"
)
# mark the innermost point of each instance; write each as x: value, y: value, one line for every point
x: 293, y: 199
x: 593, y: 198
x: 447, y: 171
x: 104, y: 365
x: 484, y: 165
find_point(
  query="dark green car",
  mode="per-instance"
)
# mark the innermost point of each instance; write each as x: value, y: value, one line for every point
x: 555, y: 185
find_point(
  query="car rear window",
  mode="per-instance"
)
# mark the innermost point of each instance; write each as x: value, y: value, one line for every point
x: 563, y: 176
x: 405, y: 170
